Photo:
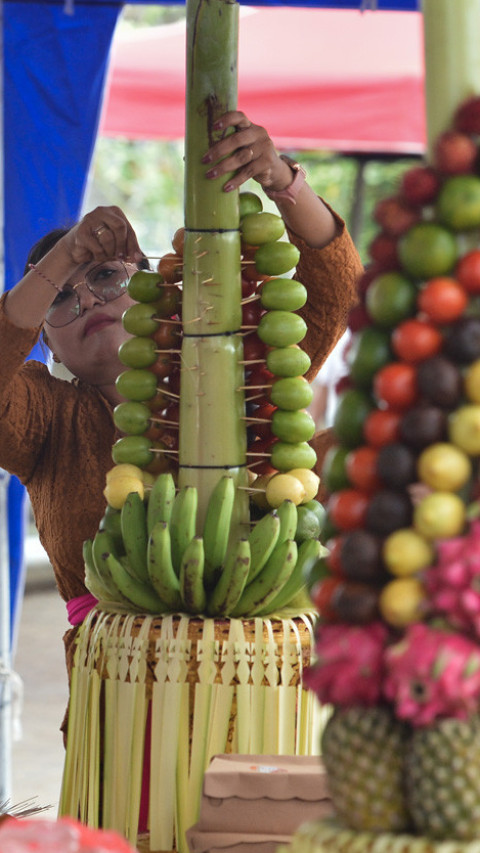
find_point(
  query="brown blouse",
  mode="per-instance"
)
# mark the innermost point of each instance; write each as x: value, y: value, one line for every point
x: 56, y: 436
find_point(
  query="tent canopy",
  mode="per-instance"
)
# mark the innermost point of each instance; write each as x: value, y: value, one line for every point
x: 349, y: 81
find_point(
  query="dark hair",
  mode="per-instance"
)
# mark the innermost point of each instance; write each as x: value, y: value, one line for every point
x: 43, y: 246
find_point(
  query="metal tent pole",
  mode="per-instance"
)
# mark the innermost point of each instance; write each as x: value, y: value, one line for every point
x: 5, y: 653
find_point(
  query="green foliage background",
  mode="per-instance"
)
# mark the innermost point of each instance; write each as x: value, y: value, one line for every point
x: 145, y: 178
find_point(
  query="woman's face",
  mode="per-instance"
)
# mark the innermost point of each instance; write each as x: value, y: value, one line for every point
x: 88, y: 345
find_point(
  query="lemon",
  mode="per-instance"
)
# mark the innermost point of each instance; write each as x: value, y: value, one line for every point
x: 309, y: 480
x: 124, y: 469
x: 282, y: 487
x: 440, y: 515
x: 308, y: 525
x: 401, y: 602
x: 405, y: 552
x: 444, y: 467
x: 118, y: 488
x: 472, y: 382
x: 258, y: 487
x: 464, y: 428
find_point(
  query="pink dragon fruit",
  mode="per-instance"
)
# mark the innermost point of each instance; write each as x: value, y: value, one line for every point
x: 349, y: 666
x: 453, y: 584
x: 432, y: 674
x: 61, y: 836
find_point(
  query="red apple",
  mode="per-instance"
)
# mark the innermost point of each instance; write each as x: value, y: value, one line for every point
x: 419, y: 185
x: 467, y: 116
x: 358, y: 318
x: 454, y: 153
x: 394, y: 216
x: 383, y: 250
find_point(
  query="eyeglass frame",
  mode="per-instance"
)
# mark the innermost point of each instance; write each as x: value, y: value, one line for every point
x: 84, y: 281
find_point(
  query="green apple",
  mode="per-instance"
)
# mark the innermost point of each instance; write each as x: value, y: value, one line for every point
x: 285, y: 456
x: 276, y: 258
x: 427, y: 250
x: 259, y: 228
x: 283, y: 294
x: 458, y: 202
x: 291, y: 393
x: 293, y: 426
x: 288, y: 361
x: 137, y: 385
x: 138, y: 352
x: 249, y: 203
x: 145, y: 286
x: 281, y: 328
x: 135, y: 449
x: 132, y: 417
x: 140, y: 320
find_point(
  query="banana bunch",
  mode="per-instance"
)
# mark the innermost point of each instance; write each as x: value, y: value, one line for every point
x: 148, y: 556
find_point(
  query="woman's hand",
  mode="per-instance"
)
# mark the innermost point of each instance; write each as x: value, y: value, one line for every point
x: 103, y: 233
x: 248, y: 153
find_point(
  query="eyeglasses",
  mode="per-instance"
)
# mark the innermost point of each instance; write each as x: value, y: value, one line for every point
x: 107, y: 281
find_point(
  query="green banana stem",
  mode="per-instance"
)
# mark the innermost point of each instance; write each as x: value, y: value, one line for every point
x: 212, y: 433
x: 452, y: 60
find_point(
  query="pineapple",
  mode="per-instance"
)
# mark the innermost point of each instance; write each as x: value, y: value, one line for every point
x: 363, y: 749
x: 442, y: 768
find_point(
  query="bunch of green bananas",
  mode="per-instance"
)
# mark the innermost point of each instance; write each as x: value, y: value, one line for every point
x: 147, y: 556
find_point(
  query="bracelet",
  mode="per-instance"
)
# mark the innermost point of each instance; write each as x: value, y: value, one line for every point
x: 45, y: 277
x: 289, y: 193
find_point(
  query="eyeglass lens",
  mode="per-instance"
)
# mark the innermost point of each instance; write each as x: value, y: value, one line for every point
x: 107, y: 281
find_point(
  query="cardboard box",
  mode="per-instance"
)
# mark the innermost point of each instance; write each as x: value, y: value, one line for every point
x: 231, y: 842
x: 260, y: 800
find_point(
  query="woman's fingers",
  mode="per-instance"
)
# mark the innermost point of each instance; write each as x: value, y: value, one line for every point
x: 247, y: 153
x: 103, y: 233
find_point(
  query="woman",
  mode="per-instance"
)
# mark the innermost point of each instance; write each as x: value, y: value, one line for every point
x: 56, y: 436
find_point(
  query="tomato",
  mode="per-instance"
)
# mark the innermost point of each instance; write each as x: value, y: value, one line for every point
x: 332, y: 559
x: 174, y: 380
x: 265, y: 412
x: 322, y: 594
x: 381, y: 427
x: 253, y: 347
x: 361, y: 468
x: 396, y: 385
x: 416, y: 340
x: 172, y: 413
x: 167, y: 336
x: 248, y: 287
x: 170, y: 266
x: 178, y: 241
x: 162, y: 367
x: 260, y: 375
x: 258, y: 456
x: 468, y: 271
x: 251, y: 313
x: 347, y: 508
x: 442, y: 299
x: 169, y: 301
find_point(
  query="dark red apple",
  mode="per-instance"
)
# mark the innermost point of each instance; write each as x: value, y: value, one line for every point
x: 395, y: 216
x: 420, y: 185
x: 454, y: 153
x: 467, y: 116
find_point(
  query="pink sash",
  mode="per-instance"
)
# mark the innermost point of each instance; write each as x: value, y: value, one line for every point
x: 79, y: 607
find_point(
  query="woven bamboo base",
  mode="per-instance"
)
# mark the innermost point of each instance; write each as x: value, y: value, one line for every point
x: 143, y: 845
x: 327, y: 837
x: 208, y: 687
